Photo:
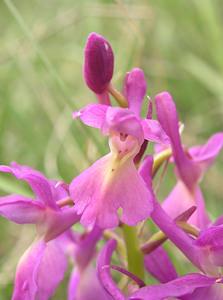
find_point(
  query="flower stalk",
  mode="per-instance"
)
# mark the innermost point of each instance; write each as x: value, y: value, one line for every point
x: 159, y: 237
x: 159, y: 159
x: 119, y: 97
x: 134, y: 254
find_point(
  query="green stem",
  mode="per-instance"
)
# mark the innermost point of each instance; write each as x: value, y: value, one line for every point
x: 134, y: 255
x: 118, y: 96
x: 159, y: 237
x: 159, y: 159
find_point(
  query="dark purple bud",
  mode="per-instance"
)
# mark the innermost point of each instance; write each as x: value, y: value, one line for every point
x: 98, y: 63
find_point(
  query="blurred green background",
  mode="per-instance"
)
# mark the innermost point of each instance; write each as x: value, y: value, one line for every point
x: 179, y: 45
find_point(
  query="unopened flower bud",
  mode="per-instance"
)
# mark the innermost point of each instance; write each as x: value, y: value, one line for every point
x: 98, y: 63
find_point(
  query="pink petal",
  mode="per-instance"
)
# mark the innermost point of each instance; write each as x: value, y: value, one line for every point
x: 203, y: 221
x: 99, y: 191
x: 39, y: 272
x: 86, y: 246
x: 104, y: 260
x: 80, y: 247
x: 153, y: 132
x: 92, y: 115
x: 206, y: 154
x: 60, y: 189
x: 210, y: 242
x: 122, y: 120
x: 26, y: 287
x: 73, y: 285
x: 160, y: 266
x: 180, y: 199
x: 164, y: 222
x: 21, y: 210
x: 168, y: 118
x: 135, y: 198
x: 218, y: 221
x: 57, y: 222
x: 135, y: 89
x: 84, y: 189
x: 145, y: 171
x: 86, y: 286
x: 214, y: 292
x: 111, y: 119
x: 39, y: 184
x: 51, y: 270
x: 181, y: 286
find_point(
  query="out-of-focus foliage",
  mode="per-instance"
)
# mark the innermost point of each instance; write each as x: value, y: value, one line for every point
x: 178, y: 43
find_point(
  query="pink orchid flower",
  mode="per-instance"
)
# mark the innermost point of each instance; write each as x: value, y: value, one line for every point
x: 113, y: 182
x: 191, y: 164
x: 81, y: 248
x: 42, y: 266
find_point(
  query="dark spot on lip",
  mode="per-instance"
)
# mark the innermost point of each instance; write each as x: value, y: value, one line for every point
x: 113, y: 170
x: 123, y: 136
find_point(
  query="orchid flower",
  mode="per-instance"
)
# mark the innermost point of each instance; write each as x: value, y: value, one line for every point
x: 42, y: 266
x: 190, y: 164
x: 205, y: 252
x: 83, y: 282
x: 113, y: 182
x: 116, y: 193
x: 192, y: 286
x: 209, y: 248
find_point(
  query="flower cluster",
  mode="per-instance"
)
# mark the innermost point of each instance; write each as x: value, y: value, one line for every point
x: 113, y: 199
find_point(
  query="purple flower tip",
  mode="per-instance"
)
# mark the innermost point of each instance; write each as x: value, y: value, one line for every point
x: 98, y: 63
x: 135, y: 89
x: 164, y: 96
